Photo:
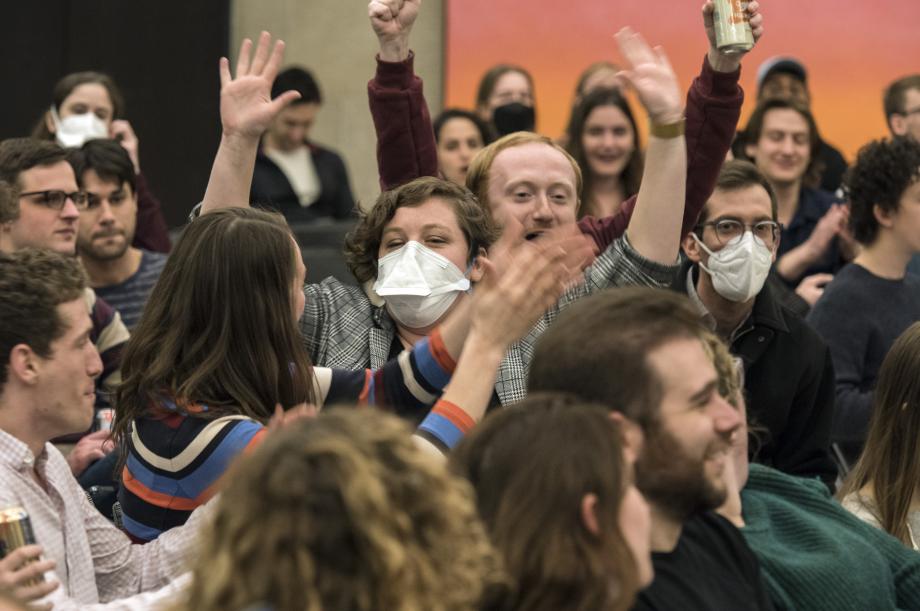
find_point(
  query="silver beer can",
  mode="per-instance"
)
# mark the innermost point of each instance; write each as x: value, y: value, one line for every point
x: 733, y: 31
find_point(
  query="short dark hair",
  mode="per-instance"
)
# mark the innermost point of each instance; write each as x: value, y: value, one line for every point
x: 754, y: 130
x: 895, y: 94
x: 107, y: 158
x: 20, y: 154
x: 883, y: 170
x: 738, y: 174
x: 300, y: 80
x: 598, y: 349
x: 33, y: 283
x: 9, y: 208
x: 363, y: 243
x: 458, y: 113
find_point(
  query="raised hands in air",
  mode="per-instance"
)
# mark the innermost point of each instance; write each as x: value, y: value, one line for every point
x: 392, y: 21
x: 649, y: 73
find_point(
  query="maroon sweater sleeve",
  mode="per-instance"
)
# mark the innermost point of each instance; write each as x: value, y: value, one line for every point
x: 406, y: 148
x: 151, y: 232
x: 713, y: 108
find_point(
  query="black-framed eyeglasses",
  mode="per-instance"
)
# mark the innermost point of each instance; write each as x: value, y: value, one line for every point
x: 55, y: 198
x: 913, y: 111
x: 727, y: 230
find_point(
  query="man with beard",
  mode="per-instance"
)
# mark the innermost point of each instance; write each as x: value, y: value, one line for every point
x: 119, y: 273
x: 640, y: 352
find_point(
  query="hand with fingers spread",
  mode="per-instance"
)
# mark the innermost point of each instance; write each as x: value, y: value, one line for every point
x: 246, y: 107
x: 649, y: 73
x: 392, y: 22
x: 527, y: 279
x: 729, y: 62
x: 21, y: 572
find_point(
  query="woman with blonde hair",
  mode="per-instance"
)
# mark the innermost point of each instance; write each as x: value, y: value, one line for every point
x: 343, y: 512
x: 882, y: 489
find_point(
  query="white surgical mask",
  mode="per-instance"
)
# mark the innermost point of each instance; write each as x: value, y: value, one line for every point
x: 739, y: 270
x: 74, y: 130
x: 418, y: 284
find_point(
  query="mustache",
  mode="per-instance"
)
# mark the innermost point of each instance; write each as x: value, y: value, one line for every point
x: 108, y: 233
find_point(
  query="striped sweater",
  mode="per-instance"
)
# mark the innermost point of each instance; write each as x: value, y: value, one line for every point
x: 177, y: 455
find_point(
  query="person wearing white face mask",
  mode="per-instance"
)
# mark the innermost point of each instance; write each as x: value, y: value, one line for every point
x: 418, y: 284
x: 89, y: 105
x: 788, y: 373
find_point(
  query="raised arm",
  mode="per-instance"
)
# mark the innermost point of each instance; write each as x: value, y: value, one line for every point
x: 654, y: 231
x: 713, y: 107
x: 246, y: 110
x: 505, y: 306
x: 406, y: 147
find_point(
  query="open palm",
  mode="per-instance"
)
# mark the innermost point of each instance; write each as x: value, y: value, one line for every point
x: 246, y: 106
x: 649, y: 72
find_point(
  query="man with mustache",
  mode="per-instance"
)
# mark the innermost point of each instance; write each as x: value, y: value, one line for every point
x: 641, y: 352
x: 120, y: 273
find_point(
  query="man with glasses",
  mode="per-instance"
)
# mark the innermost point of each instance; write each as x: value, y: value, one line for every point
x: 902, y: 107
x: 44, y: 213
x: 788, y: 374
x: 119, y: 273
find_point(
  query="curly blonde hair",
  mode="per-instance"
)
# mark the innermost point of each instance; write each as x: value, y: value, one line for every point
x: 343, y: 512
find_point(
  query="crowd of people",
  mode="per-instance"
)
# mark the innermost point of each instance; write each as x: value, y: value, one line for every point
x: 615, y: 370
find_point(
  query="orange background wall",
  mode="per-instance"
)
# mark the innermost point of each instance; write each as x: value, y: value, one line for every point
x: 851, y: 48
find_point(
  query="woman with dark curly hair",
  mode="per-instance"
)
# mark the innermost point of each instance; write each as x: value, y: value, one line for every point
x: 873, y: 300
x: 343, y: 512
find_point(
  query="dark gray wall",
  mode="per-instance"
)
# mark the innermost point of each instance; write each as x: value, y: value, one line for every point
x: 162, y: 53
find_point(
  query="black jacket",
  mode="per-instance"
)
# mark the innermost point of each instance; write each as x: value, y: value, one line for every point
x: 271, y: 189
x: 789, y: 387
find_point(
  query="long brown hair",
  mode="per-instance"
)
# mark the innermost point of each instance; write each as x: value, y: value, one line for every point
x: 219, y: 328
x: 343, y: 512
x: 531, y: 465
x: 890, y: 462
x: 632, y: 173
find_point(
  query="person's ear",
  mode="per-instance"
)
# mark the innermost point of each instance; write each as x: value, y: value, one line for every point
x: 478, y: 269
x: 24, y: 364
x: 692, y: 248
x: 49, y: 122
x: 633, y: 437
x: 749, y: 150
x: 885, y: 218
x: 589, y: 514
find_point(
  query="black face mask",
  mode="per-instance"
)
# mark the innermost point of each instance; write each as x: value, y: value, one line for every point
x: 514, y: 117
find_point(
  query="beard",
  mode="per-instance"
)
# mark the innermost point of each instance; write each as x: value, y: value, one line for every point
x: 673, y: 480
x: 101, y: 251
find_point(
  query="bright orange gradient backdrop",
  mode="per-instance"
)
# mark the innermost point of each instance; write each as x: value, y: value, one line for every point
x: 851, y: 48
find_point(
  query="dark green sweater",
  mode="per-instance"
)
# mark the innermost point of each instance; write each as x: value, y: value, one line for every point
x: 816, y: 555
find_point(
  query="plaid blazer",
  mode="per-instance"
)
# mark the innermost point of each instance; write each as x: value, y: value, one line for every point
x: 342, y: 328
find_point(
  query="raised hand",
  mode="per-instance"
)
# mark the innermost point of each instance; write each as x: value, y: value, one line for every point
x: 649, y: 73
x: 722, y: 62
x: 246, y: 107
x: 392, y: 22
x: 525, y: 280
